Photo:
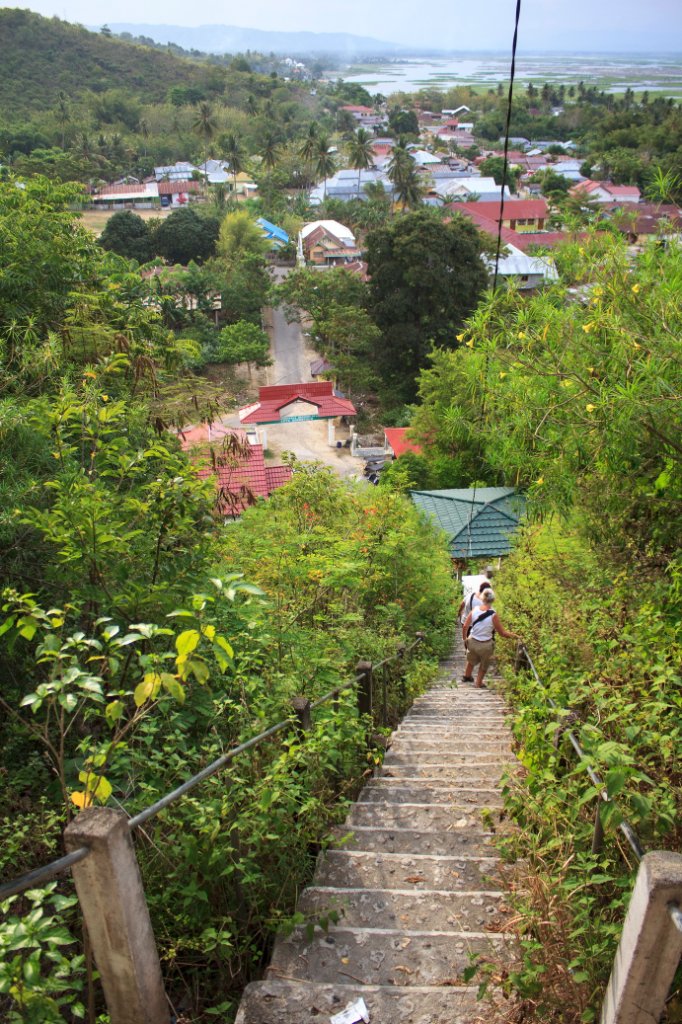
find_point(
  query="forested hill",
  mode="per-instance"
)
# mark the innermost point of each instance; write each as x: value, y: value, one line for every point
x: 42, y: 57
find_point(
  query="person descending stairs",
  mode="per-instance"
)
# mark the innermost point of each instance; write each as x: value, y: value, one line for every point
x: 409, y: 880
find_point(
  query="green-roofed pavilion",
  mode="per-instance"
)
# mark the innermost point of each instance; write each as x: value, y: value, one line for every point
x: 477, y: 521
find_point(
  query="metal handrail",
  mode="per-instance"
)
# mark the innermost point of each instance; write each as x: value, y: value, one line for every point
x: 595, y: 777
x: 55, y: 867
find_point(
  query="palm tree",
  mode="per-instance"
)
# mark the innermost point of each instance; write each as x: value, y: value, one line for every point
x: 205, y: 125
x: 236, y: 157
x: 404, y: 177
x: 324, y: 161
x: 360, y: 152
x: 308, y: 150
x: 270, y: 151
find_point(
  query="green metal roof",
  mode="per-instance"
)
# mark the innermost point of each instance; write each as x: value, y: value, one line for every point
x: 478, y: 521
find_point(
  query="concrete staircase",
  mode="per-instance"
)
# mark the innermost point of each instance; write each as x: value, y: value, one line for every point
x: 411, y: 876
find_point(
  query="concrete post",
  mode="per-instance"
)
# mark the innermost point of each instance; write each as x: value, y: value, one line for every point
x: 650, y: 946
x: 303, y: 721
x: 112, y: 899
x: 331, y: 433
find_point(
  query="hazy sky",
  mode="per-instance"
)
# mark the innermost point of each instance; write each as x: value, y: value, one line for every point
x: 586, y: 25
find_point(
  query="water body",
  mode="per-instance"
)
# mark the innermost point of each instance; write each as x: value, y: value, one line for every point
x: 611, y: 72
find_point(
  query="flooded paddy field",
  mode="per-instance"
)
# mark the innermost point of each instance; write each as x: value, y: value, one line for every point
x: 660, y: 73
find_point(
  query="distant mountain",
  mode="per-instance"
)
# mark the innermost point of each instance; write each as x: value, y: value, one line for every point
x: 230, y: 39
x: 42, y: 57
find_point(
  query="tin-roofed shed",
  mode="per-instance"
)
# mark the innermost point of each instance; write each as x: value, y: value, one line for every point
x: 478, y: 522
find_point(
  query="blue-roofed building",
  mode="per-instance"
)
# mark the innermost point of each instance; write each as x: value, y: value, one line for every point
x: 277, y: 237
x: 478, y: 522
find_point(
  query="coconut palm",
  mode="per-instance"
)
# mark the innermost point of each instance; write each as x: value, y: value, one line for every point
x: 205, y: 125
x: 270, y: 152
x: 308, y: 149
x: 143, y: 129
x: 403, y: 174
x: 324, y: 161
x: 63, y: 114
x: 360, y: 152
x: 236, y: 157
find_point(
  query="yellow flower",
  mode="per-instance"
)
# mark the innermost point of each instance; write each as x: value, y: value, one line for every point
x: 635, y: 288
x: 598, y: 290
x: 566, y: 383
x: 460, y: 337
x: 590, y: 408
x: 502, y: 375
x: 470, y: 344
x: 105, y: 398
x: 587, y: 328
x: 540, y: 481
x: 521, y: 334
x: 636, y: 345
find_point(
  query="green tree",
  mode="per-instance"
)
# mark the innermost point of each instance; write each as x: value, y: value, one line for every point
x: 244, y: 342
x: 185, y: 235
x: 360, y: 152
x: 205, y: 125
x: 425, y: 278
x: 402, y: 171
x: 236, y: 157
x: 240, y: 237
x: 127, y: 234
x: 493, y: 166
x: 324, y: 160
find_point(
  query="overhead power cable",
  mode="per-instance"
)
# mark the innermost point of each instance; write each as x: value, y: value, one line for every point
x: 506, y: 140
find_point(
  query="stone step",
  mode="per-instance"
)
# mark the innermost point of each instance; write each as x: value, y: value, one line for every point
x: 401, y: 792
x: 465, y: 775
x: 278, y: 1001
x: 469, y: 758
x: 383, y: 956
x: 432, y: 817
x: 472, y: 842
x: 450, y: 746
x: 400, y: 908
x: 347, y: 869
x: 421, y: 750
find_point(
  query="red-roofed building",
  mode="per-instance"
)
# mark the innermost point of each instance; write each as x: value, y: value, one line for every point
x: 239, y: 468
x: 606, y: 192
x: 397, y: 444
x: 518, y: 214
x: 294, y: 403
x: 179, y: 192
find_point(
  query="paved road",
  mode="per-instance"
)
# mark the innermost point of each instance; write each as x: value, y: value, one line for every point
x: 286, y: 341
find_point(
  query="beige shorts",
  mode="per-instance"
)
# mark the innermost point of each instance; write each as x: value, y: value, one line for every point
x: 480, y: 652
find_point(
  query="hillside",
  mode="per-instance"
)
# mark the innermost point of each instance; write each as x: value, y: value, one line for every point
x: 42, y: 57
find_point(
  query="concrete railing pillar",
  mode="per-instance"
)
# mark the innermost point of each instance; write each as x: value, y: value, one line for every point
x: 650, y: 946
x: 112, y: 899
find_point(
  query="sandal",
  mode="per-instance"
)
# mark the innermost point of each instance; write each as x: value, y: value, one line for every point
x: 481, y: 686
x: 467, y: 679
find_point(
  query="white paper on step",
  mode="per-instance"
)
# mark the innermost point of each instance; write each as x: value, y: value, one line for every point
x: 353, y: 1013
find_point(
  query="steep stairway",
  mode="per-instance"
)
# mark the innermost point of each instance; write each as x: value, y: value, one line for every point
x: 411, y: 876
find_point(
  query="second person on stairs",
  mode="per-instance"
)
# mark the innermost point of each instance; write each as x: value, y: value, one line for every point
x: 478, y: 634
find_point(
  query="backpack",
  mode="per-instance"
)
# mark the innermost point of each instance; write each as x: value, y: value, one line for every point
x: 481, y: 618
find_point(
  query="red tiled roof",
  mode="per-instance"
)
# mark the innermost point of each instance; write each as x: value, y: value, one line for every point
x: 271, y: 400
x: 514, y: 209
x: 171, y: 188
x: 399, y: 443
x: 236, y: 484
x: 524, y: 239
x: 358, y: 109
x: 115, y: 190
x: 622, y: 190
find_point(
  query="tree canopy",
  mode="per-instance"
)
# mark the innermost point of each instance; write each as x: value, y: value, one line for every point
x: 426, y: 277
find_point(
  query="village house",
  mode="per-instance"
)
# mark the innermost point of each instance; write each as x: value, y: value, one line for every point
x: 326, y: 243
x: 606, y: 192
x: 294, y: 403
x: 520, y: 215
x: 237, y: 466
x: 144, y: 196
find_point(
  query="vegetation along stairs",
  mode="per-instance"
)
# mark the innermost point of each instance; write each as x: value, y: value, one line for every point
x: 411, y: 876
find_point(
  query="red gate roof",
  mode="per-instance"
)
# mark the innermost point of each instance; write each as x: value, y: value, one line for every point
x: 319, y: 394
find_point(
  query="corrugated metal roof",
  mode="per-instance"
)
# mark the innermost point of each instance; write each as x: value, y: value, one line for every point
x: 478, y: 521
